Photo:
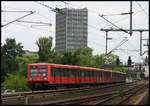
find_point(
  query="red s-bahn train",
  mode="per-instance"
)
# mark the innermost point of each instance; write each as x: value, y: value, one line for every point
x: 46, y: 76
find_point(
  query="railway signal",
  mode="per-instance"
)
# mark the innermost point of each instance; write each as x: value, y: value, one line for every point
x: 129, y: 61
x: 117, y: 62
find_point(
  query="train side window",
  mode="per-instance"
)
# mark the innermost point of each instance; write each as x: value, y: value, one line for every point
x: 107, y: 74
x: 88, y: 74
x: 96, y: 74
x: 81, y: 73
x: 56, y: 72
x: 74, y: 72
x: 62, y: 72
x: 85, y: 74
x: 71, y: 73
x: 84, y: 71
x: 104, y: 74
x: 66, y: 74
x: 92, y: 73
x: 100, y: 74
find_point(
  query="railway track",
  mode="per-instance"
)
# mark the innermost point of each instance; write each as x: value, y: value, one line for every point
x: 65, y: 96
x: 107, y: 98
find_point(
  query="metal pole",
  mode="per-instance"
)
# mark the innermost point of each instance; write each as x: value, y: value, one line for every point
x: 130, y: 18
x: 106, y: 40
x: 140, y: 43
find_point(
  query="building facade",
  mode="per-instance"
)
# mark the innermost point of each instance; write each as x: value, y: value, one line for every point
x: 71, y: 29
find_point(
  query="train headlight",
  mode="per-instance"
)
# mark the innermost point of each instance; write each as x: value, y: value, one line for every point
x: 44, y: 78
x: 44, y: 74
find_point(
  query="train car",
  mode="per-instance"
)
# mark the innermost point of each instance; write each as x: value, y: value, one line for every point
x: 118, y: 77
x: 48, y: 76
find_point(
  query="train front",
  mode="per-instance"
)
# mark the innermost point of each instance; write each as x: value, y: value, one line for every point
x: 37, y: 76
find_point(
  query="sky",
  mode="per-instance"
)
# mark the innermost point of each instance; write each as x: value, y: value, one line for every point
x: 28, y: 33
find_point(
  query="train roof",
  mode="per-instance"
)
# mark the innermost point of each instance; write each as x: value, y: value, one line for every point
x: 83, y: 67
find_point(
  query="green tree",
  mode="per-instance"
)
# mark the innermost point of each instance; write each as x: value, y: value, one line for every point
x: 67, y: 58
x: 9, y: 52
x: 15, y: 82
x: 24, y: 61
x: 87, y: 51
x: 80, y: 57
x: 56, y: 58
x: 45, y: 49
x: 98, y: 61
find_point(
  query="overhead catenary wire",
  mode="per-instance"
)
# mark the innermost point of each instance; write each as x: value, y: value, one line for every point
x: 124, y: 18
x: 120, y: 29
x: 31, y: 12
x: 114, y: 24
x: 142, y: 8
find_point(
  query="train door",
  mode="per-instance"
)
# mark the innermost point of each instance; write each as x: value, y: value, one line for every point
x: 76, y: 76
x: 52, y: 75
x: 79, y: 78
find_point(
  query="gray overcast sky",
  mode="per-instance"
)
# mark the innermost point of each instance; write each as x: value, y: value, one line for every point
x: 27, y: 33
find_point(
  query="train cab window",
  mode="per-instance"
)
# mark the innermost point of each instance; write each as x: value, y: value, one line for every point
x: 33, y: 71
x: 43, y: 70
